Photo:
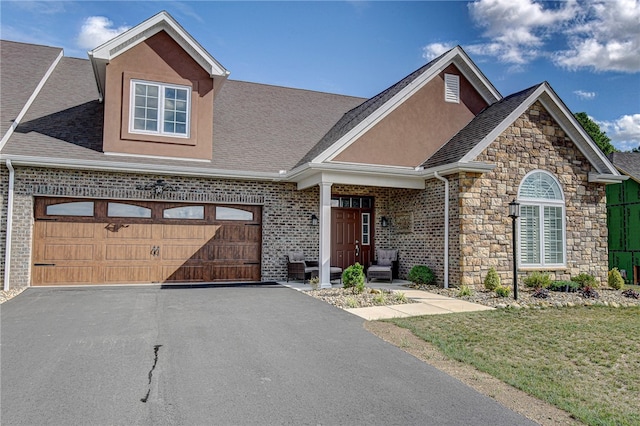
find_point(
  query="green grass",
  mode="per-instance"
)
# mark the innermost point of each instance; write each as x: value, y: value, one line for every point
x: 584, y: 360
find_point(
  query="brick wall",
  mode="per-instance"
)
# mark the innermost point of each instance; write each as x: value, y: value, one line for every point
x: 534, y: 141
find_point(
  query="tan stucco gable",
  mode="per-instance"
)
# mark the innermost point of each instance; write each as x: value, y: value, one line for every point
x: 418, y: 127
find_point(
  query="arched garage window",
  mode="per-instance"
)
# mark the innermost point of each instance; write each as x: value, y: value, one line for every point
x: 542, y: 224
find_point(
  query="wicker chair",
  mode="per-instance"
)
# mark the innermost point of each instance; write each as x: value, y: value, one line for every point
x: 386, y: 267
x: 300, y: 269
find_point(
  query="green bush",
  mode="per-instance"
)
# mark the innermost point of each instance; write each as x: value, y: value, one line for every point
x: 492, y: 280
x: 569, y: 286
x: 353, y: 278
x: 421, y: 274
x: 615, y: 280
x: 465, y: 290
x: 585, y: 280
x: 502, y: 291
x: 537, y: 280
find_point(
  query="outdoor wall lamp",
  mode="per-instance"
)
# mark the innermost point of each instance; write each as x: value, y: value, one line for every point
x: 314, y: 220
x: 514, y: 213
x: 384, y: 221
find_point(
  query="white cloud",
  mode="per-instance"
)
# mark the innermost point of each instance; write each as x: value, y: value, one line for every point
x: 517, y: 28
x: 608, y: 40
x: 624, y: 132
x: 97, y: 30
x: 586, y: 96
x: 433, y: 50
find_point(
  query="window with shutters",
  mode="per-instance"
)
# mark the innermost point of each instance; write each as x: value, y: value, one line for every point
x: 452, y: 88
x: 542, y: 221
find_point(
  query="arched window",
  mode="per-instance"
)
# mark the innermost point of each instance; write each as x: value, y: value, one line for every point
x: 542, y: 223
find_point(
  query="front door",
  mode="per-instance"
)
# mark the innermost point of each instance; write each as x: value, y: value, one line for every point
x: 351, y: 236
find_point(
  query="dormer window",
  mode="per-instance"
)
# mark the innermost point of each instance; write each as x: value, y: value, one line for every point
x: 159, y: 109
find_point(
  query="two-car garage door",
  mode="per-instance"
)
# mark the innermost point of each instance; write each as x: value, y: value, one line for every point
x: 108, y: 242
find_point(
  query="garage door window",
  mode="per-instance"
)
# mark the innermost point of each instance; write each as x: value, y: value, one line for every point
x: 127, y: 210
x: 79, y: 208
x: 187, y: 212
x: 228, y: 213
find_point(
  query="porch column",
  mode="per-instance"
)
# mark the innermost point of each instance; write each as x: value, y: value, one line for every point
x: 325, y: 235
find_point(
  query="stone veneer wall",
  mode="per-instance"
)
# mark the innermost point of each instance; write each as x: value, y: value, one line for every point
x: 286, y: 211
x: 417, y: 225
x: 534, y: 141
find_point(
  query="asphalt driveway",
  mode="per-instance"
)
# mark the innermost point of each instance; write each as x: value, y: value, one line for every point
x: 218, y: 355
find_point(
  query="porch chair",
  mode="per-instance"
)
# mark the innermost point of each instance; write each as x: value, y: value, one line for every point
x: 386, y: 266
x: 300, y: 269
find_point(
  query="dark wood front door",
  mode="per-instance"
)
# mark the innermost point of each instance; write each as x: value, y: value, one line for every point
x: 347, y: 245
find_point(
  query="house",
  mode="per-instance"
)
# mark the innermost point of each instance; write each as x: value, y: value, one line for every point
x: 146, y: 163
x: 623, y: 216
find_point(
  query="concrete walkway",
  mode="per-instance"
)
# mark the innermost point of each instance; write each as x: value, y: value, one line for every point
x: 428, y: 303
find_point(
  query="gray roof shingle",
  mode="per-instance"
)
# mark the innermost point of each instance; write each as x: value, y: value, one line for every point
x: 477, y: 129
x: 628, y: 163
x: 23, y: 67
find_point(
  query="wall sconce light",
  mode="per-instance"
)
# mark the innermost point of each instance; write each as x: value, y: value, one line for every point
x: 384, y: 221
x: 158, y: 187
x: 314, y: 220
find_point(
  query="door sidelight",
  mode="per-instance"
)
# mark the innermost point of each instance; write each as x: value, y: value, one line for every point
x: 357, y: 249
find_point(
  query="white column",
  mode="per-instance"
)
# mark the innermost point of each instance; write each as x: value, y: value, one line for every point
x: 325, y: 235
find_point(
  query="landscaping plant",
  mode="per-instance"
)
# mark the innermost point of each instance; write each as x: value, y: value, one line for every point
x: 353, y: 278
x: 537, y: 280
x: 421, y: 274
x: 615, y: 280
x: 566, y: 286
x: 585, y: 280
x: 631, y: 293
x: 492, y: 280
x: 503, y: 291
x: 465, y: 290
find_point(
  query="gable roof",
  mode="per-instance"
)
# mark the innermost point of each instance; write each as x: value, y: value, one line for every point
x: 103, y: 54
x: 627, y: 163
x: 30, y: 65
x: 374, y: 109
x: 466, y: 145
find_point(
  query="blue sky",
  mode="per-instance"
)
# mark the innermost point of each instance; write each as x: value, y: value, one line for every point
x: 589, y: 51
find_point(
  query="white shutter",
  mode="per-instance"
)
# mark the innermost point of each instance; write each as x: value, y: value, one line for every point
x: 452, y: 88
x: 553, y: 242
x: 530, y: 235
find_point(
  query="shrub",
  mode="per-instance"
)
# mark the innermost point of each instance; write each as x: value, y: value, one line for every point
x: 421, y: 274
x: 615, y: 280
x: 585, y: 280
x: 352, y: 303
x: 380, y: 299
x: 503, y: 291
x: 537, y: 280
x: 400, y: 297
x: 567, y: 286
x: 353, y: 278
x: 465, y: 290
x: 492, y: 280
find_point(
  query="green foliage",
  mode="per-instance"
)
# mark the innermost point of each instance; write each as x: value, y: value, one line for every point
x: 465, y: 290
x: 599, y: 137
x: 400, y: 297
x: 492, y: 280
x: 380, y: 299
x: 537, y: 280
x: 351, y: 302
x: 585, y: 280
x: 615, y: 280
x: 568, y: 286
x: 421, y: 274
x: 503, y: 291
x: 353, y: 278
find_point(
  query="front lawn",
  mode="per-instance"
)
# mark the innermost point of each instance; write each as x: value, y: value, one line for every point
x: 585, y: 360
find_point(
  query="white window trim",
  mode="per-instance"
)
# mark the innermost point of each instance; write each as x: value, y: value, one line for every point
x: 368, y: 234
x: 161, y: 87
x: 542, y: 203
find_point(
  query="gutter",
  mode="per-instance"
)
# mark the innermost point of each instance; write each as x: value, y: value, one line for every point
x: 7, y: 251
x: 446, y: 227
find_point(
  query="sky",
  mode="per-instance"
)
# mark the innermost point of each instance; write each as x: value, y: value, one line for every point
x: 588, y: 51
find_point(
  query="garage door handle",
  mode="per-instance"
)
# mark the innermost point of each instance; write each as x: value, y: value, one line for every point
x: 44, y: 264
x: 155, y: 251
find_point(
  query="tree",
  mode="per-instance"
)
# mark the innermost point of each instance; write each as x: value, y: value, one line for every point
x: 599, y: 137
x: 636, y: 149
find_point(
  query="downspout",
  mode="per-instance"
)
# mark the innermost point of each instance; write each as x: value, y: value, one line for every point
x: 446, y: 228
x: 7, y: 251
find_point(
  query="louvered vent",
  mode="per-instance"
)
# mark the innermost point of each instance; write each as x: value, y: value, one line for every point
x: 452, y: 88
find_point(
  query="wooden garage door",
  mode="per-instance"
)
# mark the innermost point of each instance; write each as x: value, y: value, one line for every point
x: 108, y: 242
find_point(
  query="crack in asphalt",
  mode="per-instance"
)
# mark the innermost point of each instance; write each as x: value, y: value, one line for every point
x: 156, y: 348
